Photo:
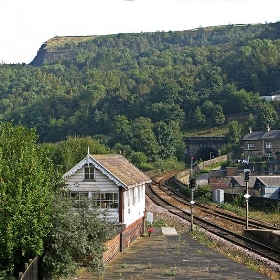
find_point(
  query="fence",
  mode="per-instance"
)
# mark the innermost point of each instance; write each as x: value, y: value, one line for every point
x: 31, y: 270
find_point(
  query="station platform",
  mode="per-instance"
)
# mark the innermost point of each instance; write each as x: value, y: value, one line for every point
x: 168, y: 255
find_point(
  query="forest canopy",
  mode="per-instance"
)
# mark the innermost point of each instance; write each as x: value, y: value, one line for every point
x: 140, y: 93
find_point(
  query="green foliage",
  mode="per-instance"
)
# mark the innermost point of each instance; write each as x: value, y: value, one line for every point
x: 218, y: 115
x: 66, y: 154
x: 234, y: 132
x: 132, y: 88
x: 267, y: 116
x: 168, y: 165
x: 140, y: 160
x: 76, y: 237
x: 199, y: 118
x: 144, y: 139
x: 203, y: 193
x: 27, y: 184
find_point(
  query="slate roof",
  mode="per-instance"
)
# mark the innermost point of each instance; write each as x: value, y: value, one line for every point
x: 271, y: 134
x: 259, y: 135
x: 240, y: 181
x: 270, y: 181
x: 120, y: 168
x: 116, y: 167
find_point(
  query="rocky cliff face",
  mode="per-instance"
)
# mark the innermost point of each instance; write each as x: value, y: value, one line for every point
x: 39, y: 58
x: 57, y: 48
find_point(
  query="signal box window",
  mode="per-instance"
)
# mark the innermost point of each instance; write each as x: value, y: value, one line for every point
x: 89, y: 173
x: 107, y: 200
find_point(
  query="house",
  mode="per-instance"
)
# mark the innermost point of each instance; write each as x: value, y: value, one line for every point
x: 121, y: 190
x: 237, y: 185
x: 261, y: 144
x: 258, y: 186
x: 274, y: 164
x: 274, y: 96
x: 269, y: 186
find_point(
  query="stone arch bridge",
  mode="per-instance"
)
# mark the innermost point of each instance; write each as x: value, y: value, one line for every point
x: 204, y: 148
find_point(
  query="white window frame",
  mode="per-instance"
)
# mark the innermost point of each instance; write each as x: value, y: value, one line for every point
x: 139, y: 193
x: 135, y: 195
x: 251, y: 146
x: 268, y: 145
x: 77, y: 198
x: 89, y: 173
x: 128, y: 198
x: 108, y: 200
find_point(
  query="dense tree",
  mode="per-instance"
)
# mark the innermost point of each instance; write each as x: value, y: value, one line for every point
x: 161, y: 76
x: 266, y: 116
x: 234, y: 133
x: 165, y: 140
x: 251, y: 123
x: 26, y: 189
x: 218, y: 115
x: 69, y: 152
x: 144, y: 139
x: 121, y: 130
x: 199, y: 119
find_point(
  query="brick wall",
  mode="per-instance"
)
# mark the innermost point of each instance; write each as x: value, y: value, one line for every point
x: 112, y: 248
x: 219, y: 183
x: 123, y: 240
x: 132, y: 232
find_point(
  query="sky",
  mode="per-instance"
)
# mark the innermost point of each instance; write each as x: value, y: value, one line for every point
x: 26, y: 24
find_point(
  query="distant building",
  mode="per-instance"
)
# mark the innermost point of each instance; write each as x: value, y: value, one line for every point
x: 260, y: 186
x: 259, y: 144
x: 275, y: 96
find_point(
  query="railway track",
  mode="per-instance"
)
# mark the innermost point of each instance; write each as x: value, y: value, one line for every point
x: 223, y: 224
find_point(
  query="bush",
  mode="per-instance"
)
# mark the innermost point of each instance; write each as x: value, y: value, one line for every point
x: 77, y: 234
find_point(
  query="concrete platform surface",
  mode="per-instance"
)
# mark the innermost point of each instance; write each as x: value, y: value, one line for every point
x: 168, y: 231
x: 179, y: 256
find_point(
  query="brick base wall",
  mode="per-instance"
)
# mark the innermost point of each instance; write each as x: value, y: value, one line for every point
x: 112, y: 248
x: 132, y: 232
x: 123, y: 240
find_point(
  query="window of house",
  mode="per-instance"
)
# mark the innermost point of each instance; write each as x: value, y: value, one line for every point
x: 102, y: 200
x: 251, y: 146
x: 268, y: 145
x: 78, y: 198
x: 107, y: 200
x: 135, y: 195
x: 128, y: 198
x: 139, y: 193
x: 89, y: 173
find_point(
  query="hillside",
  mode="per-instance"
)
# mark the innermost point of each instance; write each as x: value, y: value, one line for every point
x: 67, y: 47
x: 144, y: 92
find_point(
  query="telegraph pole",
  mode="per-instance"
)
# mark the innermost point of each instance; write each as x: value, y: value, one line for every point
x: 247, y: 173
x: 192, y: 185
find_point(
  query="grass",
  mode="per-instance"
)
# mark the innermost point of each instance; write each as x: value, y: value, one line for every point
x: 171, y: 272
x: 58, y: 42
x: 270, y: 215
